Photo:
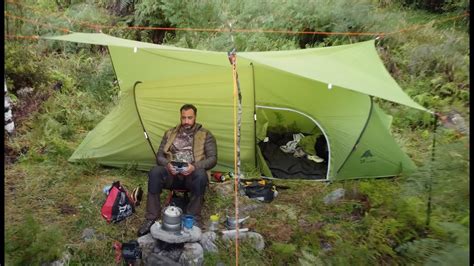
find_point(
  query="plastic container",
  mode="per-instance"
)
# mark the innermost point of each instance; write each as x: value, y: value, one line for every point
x: 106, y: 189
x: 188, y: 221
x: 214, y: 222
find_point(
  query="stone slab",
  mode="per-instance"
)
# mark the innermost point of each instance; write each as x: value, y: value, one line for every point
x: 193, y: 255
x: 147, y: 243
x: 183, y: 236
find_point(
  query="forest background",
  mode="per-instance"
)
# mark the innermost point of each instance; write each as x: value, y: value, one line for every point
x: 61, y: 90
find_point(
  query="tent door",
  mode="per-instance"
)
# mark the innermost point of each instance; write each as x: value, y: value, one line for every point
x: 274, y: 122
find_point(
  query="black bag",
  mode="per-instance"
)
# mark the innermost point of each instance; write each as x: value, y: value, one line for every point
x: 262, y: 190
x: 118, y: 204
x: 321, y: 147
x: 131, y: 251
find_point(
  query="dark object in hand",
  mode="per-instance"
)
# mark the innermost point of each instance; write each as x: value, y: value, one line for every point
x: 179, y: 164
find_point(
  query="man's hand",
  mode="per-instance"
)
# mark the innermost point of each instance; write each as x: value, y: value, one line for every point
x: 171, y: 169
x: 188, y: 170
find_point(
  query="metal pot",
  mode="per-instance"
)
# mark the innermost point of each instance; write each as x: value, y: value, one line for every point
x: 172, y: 219
x: 231, y: 224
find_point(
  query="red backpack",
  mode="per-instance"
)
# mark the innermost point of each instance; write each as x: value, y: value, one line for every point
x: 118, y: 204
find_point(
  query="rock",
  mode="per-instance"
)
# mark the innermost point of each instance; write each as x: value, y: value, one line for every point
x: 156, y: 259
x: 61, y: 262
x: 454, y: 120
x: 326, y: 246
x: 459, y: 123
x: 88, y: 234
x: 169, y: 250
x: 256, y: 238
x: 208, y: 242
x: 9, y: 124
x: 193, y: 254
x: 334, y: 196
x: 192, y: 235
x: 147, y: 243
x: 250, y: 207
x: 25, y: 91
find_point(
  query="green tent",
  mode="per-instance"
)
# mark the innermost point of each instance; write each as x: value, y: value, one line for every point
x: 329, y: 89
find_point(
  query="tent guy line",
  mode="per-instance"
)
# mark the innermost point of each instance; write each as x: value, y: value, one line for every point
x: 98, y: 28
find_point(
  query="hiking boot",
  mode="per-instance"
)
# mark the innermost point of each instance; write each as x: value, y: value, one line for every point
x: 145, y: 228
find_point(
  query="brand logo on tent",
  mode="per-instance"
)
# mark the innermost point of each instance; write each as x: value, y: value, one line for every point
x: 367, y: 157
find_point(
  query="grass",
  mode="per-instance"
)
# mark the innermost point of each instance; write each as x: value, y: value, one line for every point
x: 367, y: 226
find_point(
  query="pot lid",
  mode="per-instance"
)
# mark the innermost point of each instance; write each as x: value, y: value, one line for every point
x: 172, y: 211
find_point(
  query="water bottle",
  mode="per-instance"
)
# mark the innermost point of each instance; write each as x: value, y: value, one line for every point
x: 214, y: 223
x: 106, y: 189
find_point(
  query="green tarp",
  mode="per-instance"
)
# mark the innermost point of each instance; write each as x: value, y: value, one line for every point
x: 329, y: 88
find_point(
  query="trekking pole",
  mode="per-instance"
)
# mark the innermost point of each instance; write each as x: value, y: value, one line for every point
x: 237, y: 123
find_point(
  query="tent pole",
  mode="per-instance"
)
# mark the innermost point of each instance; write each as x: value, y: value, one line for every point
x: 140, y: 118
x: 254, y: 114
x: 430, y: 180
x: 360, y: 135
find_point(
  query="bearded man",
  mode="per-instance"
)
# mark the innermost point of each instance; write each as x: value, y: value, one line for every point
x: 187, y: 152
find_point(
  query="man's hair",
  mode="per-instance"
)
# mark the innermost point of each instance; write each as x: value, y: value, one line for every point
x: 187, y: 107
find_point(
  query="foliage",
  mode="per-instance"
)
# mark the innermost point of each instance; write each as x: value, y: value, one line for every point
x: 444, y: 182
x: 379, y: 221
x: 284, y: 252
x: 446, y: 176
x: 369, y: 223
x: 434, y: 251
x: 24, y: 68
x: 433, y: 67
x: 224, y: 15
x: 30, y: 243
x: 434, y: 6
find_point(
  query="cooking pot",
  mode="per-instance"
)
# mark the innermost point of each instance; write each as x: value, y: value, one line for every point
x: 231, y: 224
x: 172, y: 219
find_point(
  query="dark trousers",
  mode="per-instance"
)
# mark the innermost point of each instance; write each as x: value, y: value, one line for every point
x: 159, y: 179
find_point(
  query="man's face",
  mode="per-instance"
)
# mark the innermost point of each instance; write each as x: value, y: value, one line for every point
x: 188, y: 118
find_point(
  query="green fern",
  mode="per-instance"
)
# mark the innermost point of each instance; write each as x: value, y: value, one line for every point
x: 419, y: 251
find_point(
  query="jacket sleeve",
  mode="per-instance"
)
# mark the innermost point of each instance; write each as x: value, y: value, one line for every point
x: 210, y: 149
x: 160, y: 155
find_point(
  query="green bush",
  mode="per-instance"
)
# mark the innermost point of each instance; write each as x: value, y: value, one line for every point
x: 435, y: 6
x: 284, y: 253
x: 23, y: 67
x: 31, y: 244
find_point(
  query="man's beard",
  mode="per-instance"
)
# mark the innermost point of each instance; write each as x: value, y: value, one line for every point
x: 187, y: 127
